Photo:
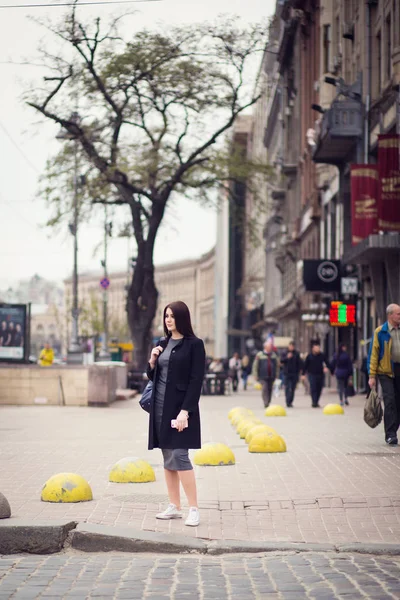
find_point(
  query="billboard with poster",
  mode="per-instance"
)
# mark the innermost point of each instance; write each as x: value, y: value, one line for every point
x: 13, y: 332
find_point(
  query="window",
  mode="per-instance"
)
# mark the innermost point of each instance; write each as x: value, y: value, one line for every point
x: 338, y: 40
x: 388, y: 40
x: 326, y: 234
x: 379, y: 61
x: 333, y: 229
x: 327, y: 48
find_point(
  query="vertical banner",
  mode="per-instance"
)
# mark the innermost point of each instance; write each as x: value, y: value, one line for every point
x: 389, y: 175
x: 364, y: 201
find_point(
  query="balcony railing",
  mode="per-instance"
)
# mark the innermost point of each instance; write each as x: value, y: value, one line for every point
x: 340, y: 129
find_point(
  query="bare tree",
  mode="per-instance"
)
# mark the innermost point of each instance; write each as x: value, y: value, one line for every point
x: 154, y: 113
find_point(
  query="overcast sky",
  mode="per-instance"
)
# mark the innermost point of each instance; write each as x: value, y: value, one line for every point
x: 26, y: 247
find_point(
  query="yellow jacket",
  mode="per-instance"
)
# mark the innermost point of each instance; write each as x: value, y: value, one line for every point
x: 46, y: 357
x: 380, y: 352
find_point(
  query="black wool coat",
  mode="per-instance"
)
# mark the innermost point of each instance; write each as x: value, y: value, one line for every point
x: 184, y: 382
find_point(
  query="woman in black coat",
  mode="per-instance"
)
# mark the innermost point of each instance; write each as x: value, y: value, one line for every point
x: 342, y: 368
x: 176, y: 368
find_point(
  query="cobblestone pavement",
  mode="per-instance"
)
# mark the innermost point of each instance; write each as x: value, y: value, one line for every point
x: 338, y: 482
x: 273, y: 577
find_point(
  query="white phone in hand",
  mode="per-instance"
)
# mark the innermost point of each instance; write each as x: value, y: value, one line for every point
x: 174, y: 424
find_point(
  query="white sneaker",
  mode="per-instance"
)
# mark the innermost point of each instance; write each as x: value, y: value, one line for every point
x: 193, y: 517
x: 171, y: 512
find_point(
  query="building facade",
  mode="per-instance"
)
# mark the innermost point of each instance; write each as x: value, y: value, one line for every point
x: 292, y: 230
x: 359, y: 77
x: 192, y: 281
x: 47, y: 325
x: 333, y: 74
x: 231, y: 322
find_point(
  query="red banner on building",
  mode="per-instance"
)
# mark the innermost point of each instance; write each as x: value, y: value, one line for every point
x: 389, y: 176
x: 364, y: 201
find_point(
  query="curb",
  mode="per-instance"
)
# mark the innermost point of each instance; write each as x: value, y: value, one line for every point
x: 102, y: 538
x: 20, y: 536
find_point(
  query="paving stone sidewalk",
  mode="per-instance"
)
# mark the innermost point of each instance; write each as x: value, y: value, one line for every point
x: 337, y: 483
x: 272, y: 577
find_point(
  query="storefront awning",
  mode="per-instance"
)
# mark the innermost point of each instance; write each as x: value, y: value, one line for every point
x: 374, y: 248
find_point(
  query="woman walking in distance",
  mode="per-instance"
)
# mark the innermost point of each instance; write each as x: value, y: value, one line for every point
x: 342, y: 368
x: 176, y: 367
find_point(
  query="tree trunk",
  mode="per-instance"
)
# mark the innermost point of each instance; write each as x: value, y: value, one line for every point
x: 142, y: 305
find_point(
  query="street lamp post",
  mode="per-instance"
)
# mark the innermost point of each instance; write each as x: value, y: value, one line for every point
x: 104, y: 353
x: 74, y: 349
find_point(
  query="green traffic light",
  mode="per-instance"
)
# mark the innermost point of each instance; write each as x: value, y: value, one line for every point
x: 342, y: 313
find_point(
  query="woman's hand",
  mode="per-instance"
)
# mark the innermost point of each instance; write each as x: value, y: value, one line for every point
x: 155, y: 353
x: 181, y: 420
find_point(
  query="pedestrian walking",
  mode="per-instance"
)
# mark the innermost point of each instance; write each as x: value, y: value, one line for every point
x: 384, y: 365
x: 234, y: 368
x: 46, y: 356
x: 342, y: 368
x: 292, y: 365
x: 314, y: 367
x: 176, y: 367
x: 266, y: 367
x: 246, y: 370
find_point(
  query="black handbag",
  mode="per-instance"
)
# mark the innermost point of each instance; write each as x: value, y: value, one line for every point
x: 145, y: 400
x: 350, y: 391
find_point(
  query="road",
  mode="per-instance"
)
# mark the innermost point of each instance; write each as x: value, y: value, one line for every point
x: 272, y: 577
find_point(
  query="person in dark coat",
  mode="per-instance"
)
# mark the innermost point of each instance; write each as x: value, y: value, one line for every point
x: 342, y: 368
x: 266, y: 367
x: 176, y: 367
x: 292, y: 364
x: 315, y: 366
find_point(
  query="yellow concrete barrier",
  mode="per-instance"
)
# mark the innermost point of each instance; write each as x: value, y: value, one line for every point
x: 66, y: 487
x: 240, y: 414
x: 267, y: 442
x: 239, y: 417
x: 237, y: 410
x: 275, y: 410
x: 132, y: 470
x: 213, y: 455
x: 245, y: 426
x: 258, y: 429
x: 333, y: 409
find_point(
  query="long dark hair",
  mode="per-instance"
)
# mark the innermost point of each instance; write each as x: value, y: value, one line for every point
x: 182, y: 318
x: 341, y: 349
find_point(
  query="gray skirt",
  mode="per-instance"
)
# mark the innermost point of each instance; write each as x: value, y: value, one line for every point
x: 176, y: 459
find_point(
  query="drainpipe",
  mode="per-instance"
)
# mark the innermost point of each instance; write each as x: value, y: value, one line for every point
x: 365, y: 304
x: 369, y: 81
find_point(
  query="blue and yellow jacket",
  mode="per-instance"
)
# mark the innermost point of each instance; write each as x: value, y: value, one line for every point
x: 380, y: 352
